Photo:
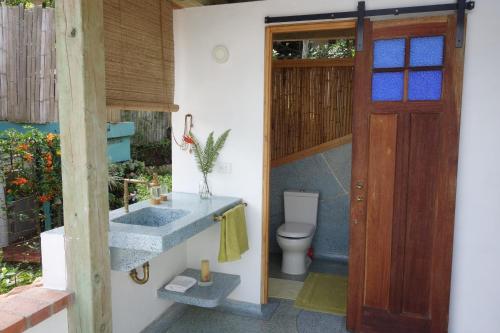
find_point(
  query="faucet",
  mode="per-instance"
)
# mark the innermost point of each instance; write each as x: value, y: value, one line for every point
x: 125, y: 190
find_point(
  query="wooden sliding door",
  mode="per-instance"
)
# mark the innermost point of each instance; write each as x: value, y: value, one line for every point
x: 408, y: 82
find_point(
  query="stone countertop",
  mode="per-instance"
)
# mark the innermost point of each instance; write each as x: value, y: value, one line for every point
x: 159, y: 239
x: 132, y: 245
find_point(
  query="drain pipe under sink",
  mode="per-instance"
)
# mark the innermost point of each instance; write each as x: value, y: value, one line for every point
x: 145, y: 278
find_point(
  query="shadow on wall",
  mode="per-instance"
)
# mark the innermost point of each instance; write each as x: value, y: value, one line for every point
x: 330, y: 174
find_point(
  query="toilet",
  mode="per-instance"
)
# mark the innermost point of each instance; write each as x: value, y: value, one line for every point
x: 296, y: 234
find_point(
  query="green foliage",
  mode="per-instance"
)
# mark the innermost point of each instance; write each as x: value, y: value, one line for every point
x: 156, y: 153
x: 13, y: 275
x: 143, y: 191
x: 206, y: 156
x: 134, y: 170
x: 117, y: 172
x: 31, y: 164
x: 327, y: 49
x: 30, y: 3
x: 342, y: 48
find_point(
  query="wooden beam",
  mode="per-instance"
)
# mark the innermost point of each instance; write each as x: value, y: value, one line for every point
x: 82, y: 116
x: 266, y: 165
x: 140, y: 106
x: 312, y: 151
x: 339, y: 62
x: 316, y: 35
x: 179, y: 4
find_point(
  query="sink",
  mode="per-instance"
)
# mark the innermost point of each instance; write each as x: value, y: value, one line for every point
x: 151, y: 216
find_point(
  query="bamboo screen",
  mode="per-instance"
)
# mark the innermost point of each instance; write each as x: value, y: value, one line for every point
x: 139, y: 50
x: 311, y: 105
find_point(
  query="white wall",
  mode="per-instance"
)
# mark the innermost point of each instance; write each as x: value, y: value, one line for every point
x: 205, y: 89
x: 231, y: 96
x: 57, y: 323
x: 475, y: 303
x: 134, y: 306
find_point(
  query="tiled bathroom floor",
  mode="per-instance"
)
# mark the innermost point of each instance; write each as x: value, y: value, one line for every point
x: 317, y: 265
x: 286, y: 319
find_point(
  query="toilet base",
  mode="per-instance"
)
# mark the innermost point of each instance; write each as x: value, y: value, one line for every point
x: 295, y: 263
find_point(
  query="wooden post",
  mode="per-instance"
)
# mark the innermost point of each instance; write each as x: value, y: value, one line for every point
x: 82, y: 116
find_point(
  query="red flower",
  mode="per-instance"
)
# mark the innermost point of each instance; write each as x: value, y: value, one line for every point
x: 48, y: 160
x: 19, y: 181
x: 188, y: 139
x: 28, y: 157
x: 44, y: 198
x: 50, y: 137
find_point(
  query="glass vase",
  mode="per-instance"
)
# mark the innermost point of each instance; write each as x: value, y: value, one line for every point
x: 204, y: 188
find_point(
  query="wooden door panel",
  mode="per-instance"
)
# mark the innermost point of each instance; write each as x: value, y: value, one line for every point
x: 403, y: 190
x: 382, y: 164
x: 421, y: 199
x: 377, y: 321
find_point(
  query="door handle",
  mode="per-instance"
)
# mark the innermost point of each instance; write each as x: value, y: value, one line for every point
x: 360, y: 185
x: 360, y: 198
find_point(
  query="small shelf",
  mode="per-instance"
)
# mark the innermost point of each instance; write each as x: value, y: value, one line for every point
x: 206, y: 297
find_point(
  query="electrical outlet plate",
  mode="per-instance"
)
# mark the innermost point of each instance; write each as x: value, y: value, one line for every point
x: 223, y: 167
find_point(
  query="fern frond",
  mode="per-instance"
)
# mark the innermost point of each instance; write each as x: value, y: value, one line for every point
x: 198, y: 153
x: 206, y: 156
x: 221, y: 141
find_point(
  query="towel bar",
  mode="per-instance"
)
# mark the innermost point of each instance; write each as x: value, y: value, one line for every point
x: 219, y: 218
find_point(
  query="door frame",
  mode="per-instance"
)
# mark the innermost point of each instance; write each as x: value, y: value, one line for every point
x: 266, y: 172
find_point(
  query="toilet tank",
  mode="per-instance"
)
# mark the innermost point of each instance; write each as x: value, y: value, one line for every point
x: 301, y: 207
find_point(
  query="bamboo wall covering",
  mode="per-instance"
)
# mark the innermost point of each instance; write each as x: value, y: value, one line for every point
x: 311, y: 107
x: 27, y: 65
x: 139, y: 50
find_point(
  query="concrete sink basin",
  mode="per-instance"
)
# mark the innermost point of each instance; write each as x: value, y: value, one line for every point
x: 151, y: 216
x: 149, y: 230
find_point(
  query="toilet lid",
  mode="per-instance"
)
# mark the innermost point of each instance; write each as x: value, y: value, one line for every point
x: 296, y: 230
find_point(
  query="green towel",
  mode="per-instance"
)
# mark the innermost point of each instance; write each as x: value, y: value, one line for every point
x: 233, y: 234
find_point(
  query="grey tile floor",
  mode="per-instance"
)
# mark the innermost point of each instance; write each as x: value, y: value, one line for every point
x: 286, y: 319
x: 317, y: 265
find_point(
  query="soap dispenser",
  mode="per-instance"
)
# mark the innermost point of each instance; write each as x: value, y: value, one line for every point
x: 155, y: 190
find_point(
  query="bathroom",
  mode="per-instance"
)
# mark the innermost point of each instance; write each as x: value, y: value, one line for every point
x: 310, y: 172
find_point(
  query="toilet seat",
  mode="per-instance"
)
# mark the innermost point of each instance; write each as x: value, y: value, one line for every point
x: 296, y: 230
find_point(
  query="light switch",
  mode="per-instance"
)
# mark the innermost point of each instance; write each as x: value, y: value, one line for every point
x: 223, y: 167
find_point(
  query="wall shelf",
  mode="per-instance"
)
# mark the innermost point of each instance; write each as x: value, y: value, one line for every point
x: 206, y: 297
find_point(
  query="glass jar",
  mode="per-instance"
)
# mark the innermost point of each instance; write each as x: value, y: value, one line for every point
x: 164, y: 192
x: 204, y: 189
x: 155, y: 190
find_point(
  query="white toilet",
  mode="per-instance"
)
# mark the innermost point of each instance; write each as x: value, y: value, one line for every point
x: 296, y: 234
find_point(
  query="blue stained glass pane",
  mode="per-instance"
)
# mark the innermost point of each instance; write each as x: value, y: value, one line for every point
x: 426, y: 51
x: 425, y: 85
x: 387, y: 86
x: 389, y: 53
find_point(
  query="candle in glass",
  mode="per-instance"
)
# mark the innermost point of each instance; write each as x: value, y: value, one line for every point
x: 205, y: 271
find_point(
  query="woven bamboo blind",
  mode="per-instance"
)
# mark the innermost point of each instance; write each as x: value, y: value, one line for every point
x: 139, y: 50
x: 311, y: 105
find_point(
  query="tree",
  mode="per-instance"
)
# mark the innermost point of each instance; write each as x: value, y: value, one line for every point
x: 308, y: 49
x: 30, y: 3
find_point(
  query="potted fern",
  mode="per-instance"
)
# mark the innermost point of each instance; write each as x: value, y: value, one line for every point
x: 206, y: 156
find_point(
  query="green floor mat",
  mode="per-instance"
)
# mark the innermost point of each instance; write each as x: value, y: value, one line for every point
x: 323, y: 293
x: 284, y: 289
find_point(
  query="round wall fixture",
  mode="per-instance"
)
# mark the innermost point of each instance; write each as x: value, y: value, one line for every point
x: 220, y: 53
